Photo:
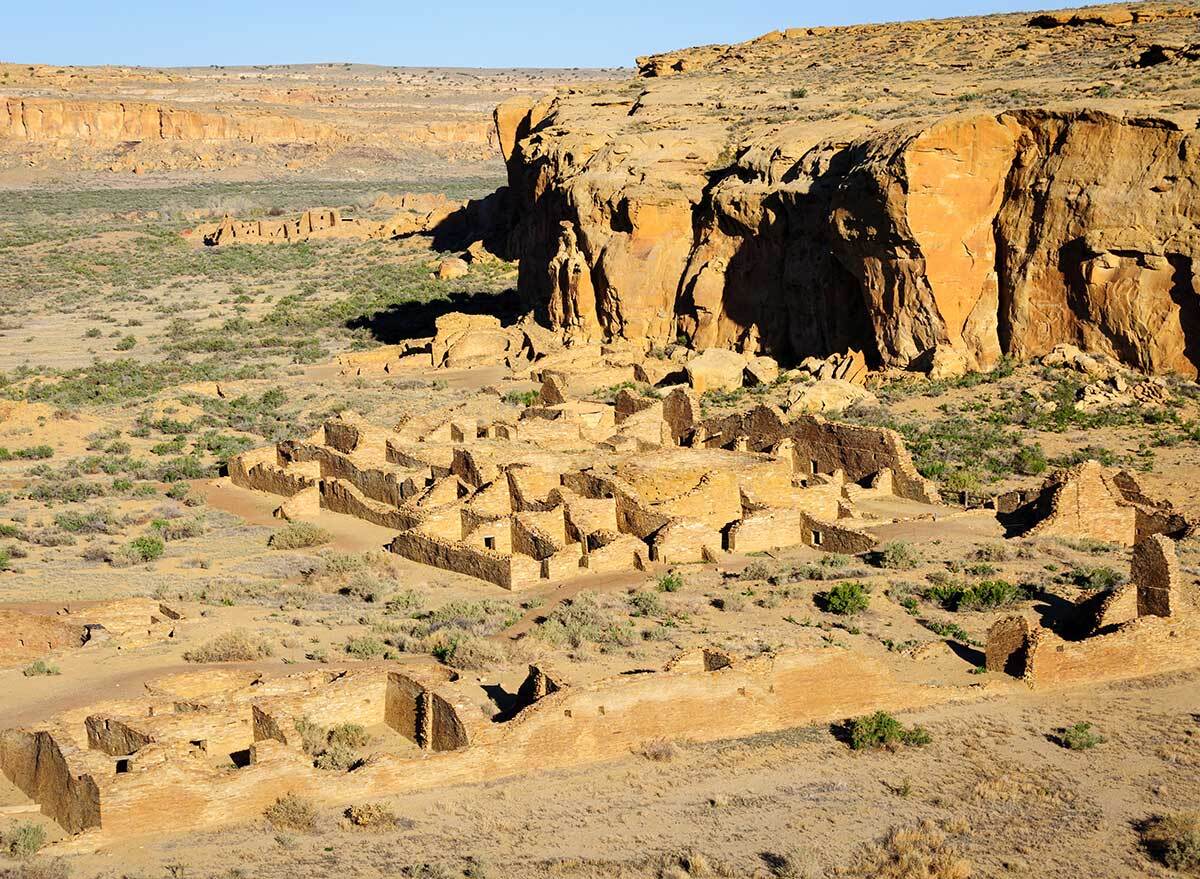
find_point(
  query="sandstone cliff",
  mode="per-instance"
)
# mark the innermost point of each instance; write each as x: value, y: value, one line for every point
x: 937, y: 194
x: 42, y: 119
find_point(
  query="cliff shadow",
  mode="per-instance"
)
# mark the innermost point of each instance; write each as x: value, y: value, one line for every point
x: 784, y: 282
x: 417, y: 319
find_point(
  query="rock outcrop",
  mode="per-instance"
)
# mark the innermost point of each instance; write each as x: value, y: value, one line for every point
x: 937, y: 239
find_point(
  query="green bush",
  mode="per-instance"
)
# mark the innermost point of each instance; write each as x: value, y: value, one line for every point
x: 845, y: 599
x: 1096, y: 579
x: 670, y: 582
x: 1030, y: 460
x: 1080, y: 737
x: 984, y: 595
x: 881, y: 730
x: 142, y: 549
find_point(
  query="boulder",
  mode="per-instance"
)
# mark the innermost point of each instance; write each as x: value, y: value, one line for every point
x: 828, y: 395
x: 451, y: 268
x: 716, y: 369
x: 464, y: 340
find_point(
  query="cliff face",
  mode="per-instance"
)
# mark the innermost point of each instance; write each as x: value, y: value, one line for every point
x: 690, y: 205
x: 46, y: 119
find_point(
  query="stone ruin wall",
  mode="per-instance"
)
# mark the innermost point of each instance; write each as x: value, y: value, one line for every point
x: 34, y: 762
x: 568, y: 726
x: 1148, y: 626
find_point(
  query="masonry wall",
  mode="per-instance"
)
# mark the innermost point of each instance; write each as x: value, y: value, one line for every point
x: 34, y: 762
x: 1148, y: 645
x: 428, y: 550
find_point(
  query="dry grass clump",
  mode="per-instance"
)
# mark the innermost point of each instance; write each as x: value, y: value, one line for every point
x: 292, y: 812
x: 374, y: 815
x: 1174, y: 840
x: 299, y: 535
x: 659, y: 750
x: 918, y: 852
x: 237, y: 645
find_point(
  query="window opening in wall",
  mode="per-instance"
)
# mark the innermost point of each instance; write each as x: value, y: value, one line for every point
x: 489, y: 542
x: 817, y: 537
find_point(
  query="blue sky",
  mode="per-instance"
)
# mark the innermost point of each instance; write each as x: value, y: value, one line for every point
x: 451, y: 33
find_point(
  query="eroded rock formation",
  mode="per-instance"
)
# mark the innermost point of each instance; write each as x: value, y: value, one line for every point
x: 689, y: 204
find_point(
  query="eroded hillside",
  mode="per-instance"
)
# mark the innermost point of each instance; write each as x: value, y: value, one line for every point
x: 939, y: 194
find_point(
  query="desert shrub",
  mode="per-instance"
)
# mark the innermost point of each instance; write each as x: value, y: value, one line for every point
x: 181, y: 529
x: 881, y: 730
x: 405, y: 601
x: 1030, y: 460
x: 337, y: 758
x: 991, y: 552
x: 24, y: 840
x: 1096, y: 579
x: 670, y: 582
x: 756, y: 571
x: 990, y: 594
x: 49, y: 537
x: 731, y: 602
x: 984, y: 595
x: 897, y: 555
x: 372, y: 815
x: 1079, y: 737
x: 33, y: 453
x: 1174, y: 840
x: 138, y: 551
x: 368, y: 586
x: 645, y: 603
x: 237, y: 645
x: 581, y: 620
x: 313, y: 736
x: 40, y: 668
x: 459, y: 649
x: 365, y: 647
x: 659, y: 750
x: 522, y: 398
x: 299, y: 535
x: 292, y: 812
x: 89, y: 522
x: 350, y: 735
x: 845, y: 599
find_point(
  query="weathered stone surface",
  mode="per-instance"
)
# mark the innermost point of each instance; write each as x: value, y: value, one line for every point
x: 716, y: 369
x: 940, y: 243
